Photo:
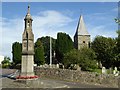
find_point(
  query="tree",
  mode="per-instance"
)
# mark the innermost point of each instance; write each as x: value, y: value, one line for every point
x: 63, y: 45
x: 16, y: 51
x: 71, y: 57
x: 103, y: 48
x: 85, y: 58
x: 46, y: 44
x: 6, y: 62
x: 117, y: 49
x: 118, y: 41
x: 39, y: 53
x: 118, y: 38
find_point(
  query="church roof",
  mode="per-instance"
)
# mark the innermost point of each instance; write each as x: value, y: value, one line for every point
x: 81, y: 29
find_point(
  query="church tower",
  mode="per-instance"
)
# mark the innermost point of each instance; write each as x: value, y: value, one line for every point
x: 27, y: 67
x: 81, y: 37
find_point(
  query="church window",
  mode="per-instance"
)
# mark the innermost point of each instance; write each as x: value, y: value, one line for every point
x: 83, y: 41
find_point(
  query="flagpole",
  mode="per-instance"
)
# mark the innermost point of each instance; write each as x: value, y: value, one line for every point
x: 50, y: 51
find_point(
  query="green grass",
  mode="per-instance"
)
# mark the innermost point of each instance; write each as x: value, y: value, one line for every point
x: 97, y: 70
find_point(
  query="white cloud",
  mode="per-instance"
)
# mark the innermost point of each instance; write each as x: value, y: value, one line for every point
x: 11, y: 32
x: 101, y: 24
x: 101, y: 30
x: 44, y: 23
x: 49, y: 22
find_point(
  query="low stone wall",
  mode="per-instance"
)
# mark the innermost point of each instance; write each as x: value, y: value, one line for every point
x: 79, y: 76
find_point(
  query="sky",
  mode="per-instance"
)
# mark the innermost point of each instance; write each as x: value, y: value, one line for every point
x: 49, y: 18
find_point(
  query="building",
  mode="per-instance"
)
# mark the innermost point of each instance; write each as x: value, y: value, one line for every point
x: 81, y: 37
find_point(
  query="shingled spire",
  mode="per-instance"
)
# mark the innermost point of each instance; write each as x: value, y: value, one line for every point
x: 81, y: 28
x: 82, y: 37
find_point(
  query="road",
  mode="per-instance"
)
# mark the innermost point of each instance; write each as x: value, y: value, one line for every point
x: 43, y: 83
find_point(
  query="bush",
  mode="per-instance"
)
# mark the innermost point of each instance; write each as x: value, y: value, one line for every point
x: 85, y: 58
x: 6, y: 62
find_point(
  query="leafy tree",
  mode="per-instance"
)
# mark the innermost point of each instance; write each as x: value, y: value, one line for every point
x: 117, y: 51
x: 71, y: 57
x: 63, y: 45
x: 46, y: 44
x: 39, y: 53
x: 118, y: 41
x: 103, y: 48
x: 85, y: 58
x: 117, y: 20
x: 16, y: 51
x: 6, y: 62
x: 117, y: 58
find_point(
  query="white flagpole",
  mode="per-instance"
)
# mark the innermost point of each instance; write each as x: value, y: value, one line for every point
x: 50, y: 51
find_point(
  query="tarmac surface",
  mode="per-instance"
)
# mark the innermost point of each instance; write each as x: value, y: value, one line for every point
x: 44, y: 83
x: 41, y: 83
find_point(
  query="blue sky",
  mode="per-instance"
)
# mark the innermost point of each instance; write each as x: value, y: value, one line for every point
x: 50, y: 18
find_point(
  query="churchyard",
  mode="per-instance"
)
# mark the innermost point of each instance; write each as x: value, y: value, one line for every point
x: 61, y: 62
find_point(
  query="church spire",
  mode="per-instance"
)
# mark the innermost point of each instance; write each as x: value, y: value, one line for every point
x: 81, y: 28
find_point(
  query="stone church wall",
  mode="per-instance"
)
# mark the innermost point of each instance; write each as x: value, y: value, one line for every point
x: 83, y: 41
x: 78, y: 76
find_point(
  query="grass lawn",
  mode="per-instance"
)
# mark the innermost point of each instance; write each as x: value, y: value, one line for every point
x: 97, y: 70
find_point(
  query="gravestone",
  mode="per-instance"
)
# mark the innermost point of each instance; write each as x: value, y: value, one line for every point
x: 115, y: 71
x: 110, y: 70
x: 104, y: 70
x: 57, y: 65
x: 78, y: 68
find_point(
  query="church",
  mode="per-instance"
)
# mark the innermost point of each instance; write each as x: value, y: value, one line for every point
x: 81, y: 37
